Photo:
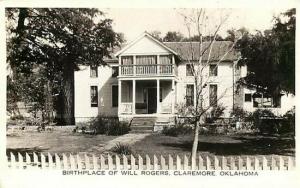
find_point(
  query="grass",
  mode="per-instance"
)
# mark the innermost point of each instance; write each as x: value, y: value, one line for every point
x: 226, y: 145
x: 54, y: 142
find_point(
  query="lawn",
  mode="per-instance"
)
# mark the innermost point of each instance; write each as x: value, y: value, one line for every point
x: 226, y: 145
x: 55, y: 142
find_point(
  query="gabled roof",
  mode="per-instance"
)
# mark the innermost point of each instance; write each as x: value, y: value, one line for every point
x: 191, y: 50
x: 145, y: 34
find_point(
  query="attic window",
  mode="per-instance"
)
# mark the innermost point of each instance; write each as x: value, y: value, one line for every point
x: 94, y: 71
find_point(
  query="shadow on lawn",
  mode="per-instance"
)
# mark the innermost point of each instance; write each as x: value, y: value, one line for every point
x: 245, y: 146
x: 23, y: 151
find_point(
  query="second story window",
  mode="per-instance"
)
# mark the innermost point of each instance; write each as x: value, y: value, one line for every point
x: 213, y: 70
x: 94, y: 96
x: 115, y: 71
x: 93, y: 71
x: 189, y: 70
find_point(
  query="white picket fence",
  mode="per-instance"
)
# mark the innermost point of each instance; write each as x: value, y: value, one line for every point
x: 115, y: 162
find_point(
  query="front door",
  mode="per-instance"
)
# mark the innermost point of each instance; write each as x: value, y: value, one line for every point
x: 152, y: 102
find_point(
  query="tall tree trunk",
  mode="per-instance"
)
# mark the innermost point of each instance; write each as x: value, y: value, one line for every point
x: 196, y: 140
x: 68, y: 93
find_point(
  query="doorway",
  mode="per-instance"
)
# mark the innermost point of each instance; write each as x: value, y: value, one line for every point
x: 152, y: 100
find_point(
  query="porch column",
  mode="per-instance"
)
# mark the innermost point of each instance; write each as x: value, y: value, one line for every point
x: 173, y: 96
x: 133, y: 96
x: 157, y: 98
x: 119, y: 96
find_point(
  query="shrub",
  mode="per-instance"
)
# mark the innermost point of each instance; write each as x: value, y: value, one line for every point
x: 269, y: 125
x: 288, y: 124
x: 109, y: 126
x: 239, y: 114
x: 215, y: 113
x: 122, y: 149
x: 177, y: 130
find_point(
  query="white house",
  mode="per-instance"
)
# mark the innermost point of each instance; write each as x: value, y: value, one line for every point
x: 148, y: 78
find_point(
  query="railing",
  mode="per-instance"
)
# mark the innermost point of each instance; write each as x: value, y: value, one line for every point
x: 156, y: 69
x: 126, y: 108
x: 130, y: 162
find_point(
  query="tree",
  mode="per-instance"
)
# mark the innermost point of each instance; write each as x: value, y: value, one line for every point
x: 60, y: 40
x: 173, y: 36
x: 270, y: 56
x: 197, y: 22
x: 156, y: 34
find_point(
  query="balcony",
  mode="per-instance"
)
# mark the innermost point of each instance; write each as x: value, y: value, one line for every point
x: 148, y: 70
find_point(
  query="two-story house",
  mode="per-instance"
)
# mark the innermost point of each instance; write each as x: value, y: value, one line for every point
x: 149, y: 78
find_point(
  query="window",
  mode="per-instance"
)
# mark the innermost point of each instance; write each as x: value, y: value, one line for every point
x: 115, y: 100
x: 94, y: 96
x: 127, y: 60
x: 94, y: 71
x: 189, y: 94
x: 248, y: 97
x: 115, y: 71
x: 189, y: 70
x: 266, y: 101
x: 146, y: 60
x: 213, y: 70
x: 213, y: 95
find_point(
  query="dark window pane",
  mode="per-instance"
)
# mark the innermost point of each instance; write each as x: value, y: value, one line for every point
x: 115, y: 100
x: 213, y: 95
x: 189, y: 95
x: 213, y: 70
x: 189, y: 70
x: 94, y: 96
x: 115, y: 71
x: 94, y: 71
x: 248, y: 97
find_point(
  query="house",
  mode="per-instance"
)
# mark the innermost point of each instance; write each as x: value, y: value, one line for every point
x: 148, y: 79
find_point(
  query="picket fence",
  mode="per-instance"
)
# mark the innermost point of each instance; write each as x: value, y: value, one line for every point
x: 115, y: 162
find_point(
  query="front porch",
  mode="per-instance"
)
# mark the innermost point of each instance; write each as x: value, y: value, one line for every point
x: 147, y: 97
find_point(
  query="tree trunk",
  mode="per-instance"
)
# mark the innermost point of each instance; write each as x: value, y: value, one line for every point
x: 68, y: 94
x: 196, y: 138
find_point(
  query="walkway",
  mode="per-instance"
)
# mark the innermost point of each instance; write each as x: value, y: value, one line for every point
x: 127, y: 139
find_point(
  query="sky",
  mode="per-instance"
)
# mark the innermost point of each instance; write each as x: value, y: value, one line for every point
x: 133, y: 22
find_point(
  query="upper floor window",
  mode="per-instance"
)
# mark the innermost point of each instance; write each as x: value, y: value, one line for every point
x: 126, y: 60
x: 93, y: 71
x: 189, y: 95
x: 165, y: 59
x: 94, y: 96
x: 213, y: 95
x: 146, y: 60
x: 189, y: 70
x: 213, y: 70
x: 115, y: 71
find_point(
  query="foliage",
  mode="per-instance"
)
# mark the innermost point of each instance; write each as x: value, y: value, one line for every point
x: 178, y: 129
x: 270, y: 56
x: 288, y: 125
x: 122, y: 149
x: 239, y: 114
x: 109, y: 126
x: 267, y: 125
x: 215, y: 113
x: 173, y: 36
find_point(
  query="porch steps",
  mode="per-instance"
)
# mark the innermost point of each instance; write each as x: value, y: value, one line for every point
x: 142, y: 124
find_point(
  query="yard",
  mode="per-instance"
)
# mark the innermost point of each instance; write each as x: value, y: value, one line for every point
x: 158, y: 144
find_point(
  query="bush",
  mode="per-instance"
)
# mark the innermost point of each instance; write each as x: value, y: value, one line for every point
x: 288, y: 124
x: 109, y: 126
x: 265, y: 121
x: 122, y: 149
x: 177, y: 130
x: 215, y: 113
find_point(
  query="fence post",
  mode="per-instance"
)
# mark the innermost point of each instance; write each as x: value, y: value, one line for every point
x: 57, y: 161
x: 28, y: 160
x: 281, y: 163
x: 72, y: 162
x: 12, y: 160
x: 43, y: 161
x: 185, y: 163
x: 35, y: 159
x: 65, y: 161
x: 170, y: 162
x: 125, y: 162
x: 224, y: 163
x: 148, y: 163
x: 110, y: 162
x: 232, y: 163
x: 163, y: 163
x: 290, y: 164
x: 87, y: 162
x: 248, y: 163
x: 208, y: 163
x: 216, y: 163
x: 240, y: 163
x: 193, y: 164
x: 273, y: 163
x: 201, y: 163
x: 265, y: 163
x: 178, y: 163
x: 20, y: 158
x: 256, y: 163
x: 95, y: 162
x: 132, y: 162
x: 50, y: 161
x: 102, y: 163
x: 155, y: 163
x: 118, y: 163
x: 79, y: 162
x: 140, y: 163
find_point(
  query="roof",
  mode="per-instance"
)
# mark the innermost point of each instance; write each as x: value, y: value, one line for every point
x: 191, y: 50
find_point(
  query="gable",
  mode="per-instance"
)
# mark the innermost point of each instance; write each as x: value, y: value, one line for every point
x: 146, y: 46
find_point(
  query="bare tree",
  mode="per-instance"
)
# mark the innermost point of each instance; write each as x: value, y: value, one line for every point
x: 198, y: 23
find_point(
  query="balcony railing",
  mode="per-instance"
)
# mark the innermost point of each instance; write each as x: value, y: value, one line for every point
x: 139, y: 70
